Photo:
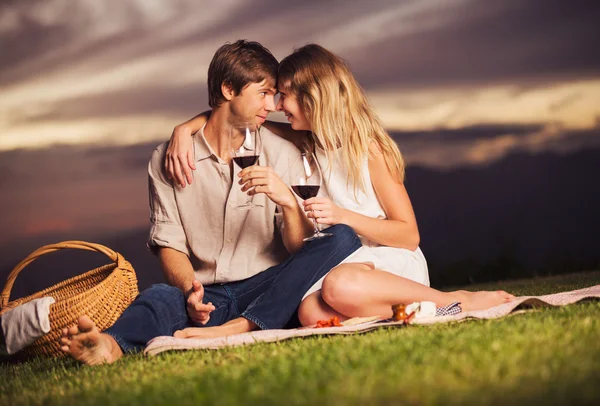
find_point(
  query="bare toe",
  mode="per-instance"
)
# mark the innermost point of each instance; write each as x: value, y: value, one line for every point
x: 87, y: 344
x: 85, y: 324
x: 72, y: 331
x: 507, y: 296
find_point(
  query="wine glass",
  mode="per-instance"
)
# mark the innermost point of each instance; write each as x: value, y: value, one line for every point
x: 245, y: 144
x: 307, y: 181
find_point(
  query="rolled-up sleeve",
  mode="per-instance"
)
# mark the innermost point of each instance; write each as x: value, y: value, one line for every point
x: 166, y: 229
x: 286, y: 167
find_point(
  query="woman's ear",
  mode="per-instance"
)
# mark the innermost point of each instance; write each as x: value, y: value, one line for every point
x: 227, y: 90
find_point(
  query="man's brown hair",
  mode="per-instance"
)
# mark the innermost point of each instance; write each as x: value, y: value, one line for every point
x: 237, y: 65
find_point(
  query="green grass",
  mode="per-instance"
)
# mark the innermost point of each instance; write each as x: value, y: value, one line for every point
x: 549, y: 356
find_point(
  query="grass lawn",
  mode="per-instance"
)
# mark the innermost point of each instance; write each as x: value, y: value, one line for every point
x: 549, y: 356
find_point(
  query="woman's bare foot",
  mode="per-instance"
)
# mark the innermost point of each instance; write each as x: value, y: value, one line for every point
x: 481, y: 300
x: 235, y: 326
x: 87, y: 344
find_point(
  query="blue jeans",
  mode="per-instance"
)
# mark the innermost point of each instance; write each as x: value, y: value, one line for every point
x: 268, y: 299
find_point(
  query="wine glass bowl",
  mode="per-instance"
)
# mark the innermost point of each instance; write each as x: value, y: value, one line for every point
x: 245, y: 144
x: 306, y: 183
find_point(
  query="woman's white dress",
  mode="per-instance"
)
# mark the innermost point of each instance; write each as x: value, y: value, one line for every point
x: 399, y: 261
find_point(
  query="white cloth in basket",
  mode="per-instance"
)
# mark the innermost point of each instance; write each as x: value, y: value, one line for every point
x: 24, y: 324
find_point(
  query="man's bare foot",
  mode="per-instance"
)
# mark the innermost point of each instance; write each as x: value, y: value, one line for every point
x: 481, y: 300
x: 87, y: 344
x: 235, y: 326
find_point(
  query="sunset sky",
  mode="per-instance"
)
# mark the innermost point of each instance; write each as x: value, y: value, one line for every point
x: 458, y: 82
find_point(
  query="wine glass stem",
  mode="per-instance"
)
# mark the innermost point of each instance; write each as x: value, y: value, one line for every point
x: 317, y: 231
x: 248, y: 198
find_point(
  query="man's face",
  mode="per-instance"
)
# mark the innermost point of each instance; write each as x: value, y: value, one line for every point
x: 255, y: 102
x: 288, y: 103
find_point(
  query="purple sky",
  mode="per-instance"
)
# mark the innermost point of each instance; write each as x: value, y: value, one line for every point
x: 88, y: 87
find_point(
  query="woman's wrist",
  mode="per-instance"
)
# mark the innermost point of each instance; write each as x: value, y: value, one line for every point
x: 345, y: 217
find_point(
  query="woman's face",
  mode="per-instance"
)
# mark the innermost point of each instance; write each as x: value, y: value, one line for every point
x: 288, y: 103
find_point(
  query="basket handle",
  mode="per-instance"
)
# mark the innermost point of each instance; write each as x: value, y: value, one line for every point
x: 46, y: 249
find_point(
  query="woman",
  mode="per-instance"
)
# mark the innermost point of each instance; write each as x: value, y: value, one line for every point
x: 363, y: 177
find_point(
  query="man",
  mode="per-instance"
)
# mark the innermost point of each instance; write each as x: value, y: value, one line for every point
x: 213, y: 255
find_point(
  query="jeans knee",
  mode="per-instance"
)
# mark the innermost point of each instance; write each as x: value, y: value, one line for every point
x: 343, y: 233
x: 162, y: 290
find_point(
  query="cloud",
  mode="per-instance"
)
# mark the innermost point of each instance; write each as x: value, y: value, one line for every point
x: 484, y: 145
x: 74, y: 190
x: 471, y: 134
x: 99, y: 190
x: 575, y: 104
x: 128, y: 71
x: 480, y: 43
x: 161, y: 100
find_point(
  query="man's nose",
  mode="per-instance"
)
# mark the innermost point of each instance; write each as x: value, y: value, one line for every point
x: 270, y: 103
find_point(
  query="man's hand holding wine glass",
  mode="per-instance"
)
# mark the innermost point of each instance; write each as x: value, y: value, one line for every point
x: 263, y: 179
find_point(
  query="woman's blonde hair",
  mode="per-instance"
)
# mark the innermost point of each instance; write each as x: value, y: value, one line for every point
x: 337, y: 109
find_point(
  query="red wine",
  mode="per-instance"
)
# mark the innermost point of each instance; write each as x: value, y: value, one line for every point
x: 306, y: 191
x: 245, y: 161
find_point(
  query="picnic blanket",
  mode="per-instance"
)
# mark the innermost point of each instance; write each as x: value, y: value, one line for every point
x: 361, y: 325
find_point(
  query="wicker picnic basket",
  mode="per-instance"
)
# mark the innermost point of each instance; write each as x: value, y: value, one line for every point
x: 102, y: 294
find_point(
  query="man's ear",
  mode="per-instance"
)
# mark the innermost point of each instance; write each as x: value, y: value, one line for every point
x: 227, y: 90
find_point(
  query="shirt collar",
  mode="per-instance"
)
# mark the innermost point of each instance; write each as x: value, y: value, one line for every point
x: 202, y: 149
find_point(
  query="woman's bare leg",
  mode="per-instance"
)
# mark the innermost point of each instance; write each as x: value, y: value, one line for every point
x: 313, y: 308
x: 358, y: 290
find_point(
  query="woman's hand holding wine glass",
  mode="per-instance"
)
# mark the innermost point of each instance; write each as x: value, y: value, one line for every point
x: 307, y: 179
x: 324, y: 211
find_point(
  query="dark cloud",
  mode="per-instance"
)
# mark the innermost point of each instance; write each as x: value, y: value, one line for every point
x: 491, y: 42
x: 44, y: 47
x: 30, y: 41
x: 472, y: 133
x: 474, y: 42
x: 574, y: 140
x: 101, y: 189
x: 475, y: 146
x: 88, y: 189
x: 184, y: 101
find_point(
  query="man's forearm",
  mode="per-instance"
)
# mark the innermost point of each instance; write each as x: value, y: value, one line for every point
x: 177, y: 268
x: 296, y: 226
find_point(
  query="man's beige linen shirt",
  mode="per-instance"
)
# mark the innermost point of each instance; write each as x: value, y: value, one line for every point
x: 223, y: 243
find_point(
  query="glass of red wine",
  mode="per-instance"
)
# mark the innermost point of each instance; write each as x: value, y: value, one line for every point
x: 245, y: 143
x: 307, y: 181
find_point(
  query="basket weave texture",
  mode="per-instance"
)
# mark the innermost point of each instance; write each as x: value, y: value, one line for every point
x: 102, y: 294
